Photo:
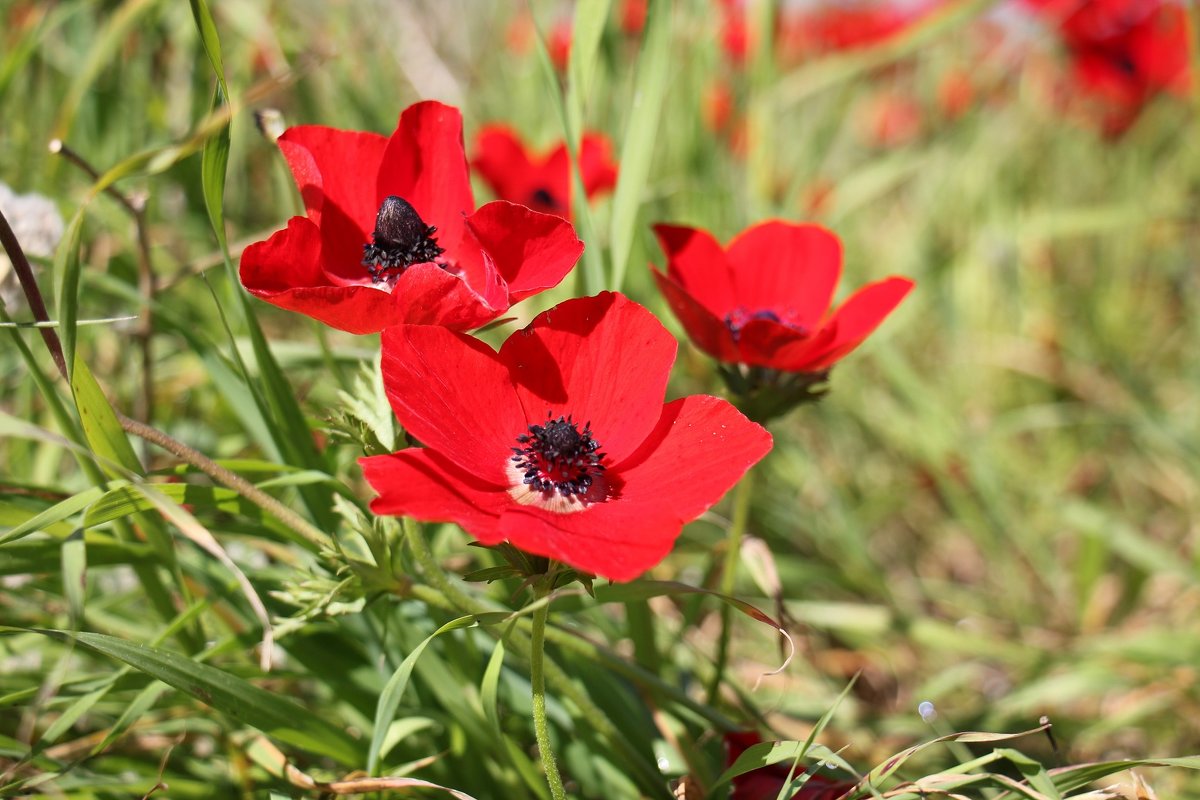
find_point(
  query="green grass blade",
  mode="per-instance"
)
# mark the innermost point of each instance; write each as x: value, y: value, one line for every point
x: 66, y: 269
x: 641, y: 134
x: 389, y: 699
x: 275, y: 716
x: 592, y: 266
x: 56, y: 513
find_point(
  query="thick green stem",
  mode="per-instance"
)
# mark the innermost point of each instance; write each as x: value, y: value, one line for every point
x: 537, y: 676
x: 733, y: 549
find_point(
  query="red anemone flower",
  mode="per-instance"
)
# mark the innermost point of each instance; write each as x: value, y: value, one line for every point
x: 392, y: 234
x: 765, y: 783
x: 764, y: 300
x: 560, y: 443
x: 542, y: 182
x: 1123, y: 53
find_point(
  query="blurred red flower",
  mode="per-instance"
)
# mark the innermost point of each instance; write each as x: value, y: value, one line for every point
x: 558, y: 43
x: 764, y: 300
x: 541, y: 182
x: 955, y: 93
x: 560, y: 443
x: 633, y: 16
x: 890, y: 118
x: 1123, y: 53
x: 392, y: 234
x: 765, y: 783
x: 845, y: 26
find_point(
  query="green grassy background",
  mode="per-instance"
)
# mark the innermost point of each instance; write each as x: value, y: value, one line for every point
x: 996, y: 508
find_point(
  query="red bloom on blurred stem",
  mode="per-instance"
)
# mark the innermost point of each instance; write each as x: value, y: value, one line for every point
x: 633, y: 16
x: 392, y: 234
x: 841, y: 26
x: 558, y: 43
x: 764, y: 300
x: 890, y: 118
x: 541, y: 182
x: 765, y: 783
x: 1124, y: 52
x: 560, y: 443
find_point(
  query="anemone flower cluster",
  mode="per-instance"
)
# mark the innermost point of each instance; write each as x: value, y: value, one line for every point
x: 562, y: 443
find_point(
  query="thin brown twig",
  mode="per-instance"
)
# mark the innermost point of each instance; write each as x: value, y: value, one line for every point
x: 33, y: 295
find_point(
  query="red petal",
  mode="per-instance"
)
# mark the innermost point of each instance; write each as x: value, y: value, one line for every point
x: 602, y: 359
x: 860, y: 315
x: 789, y: 269
x: 708, y: 332
x: 771, y: 344
x: 335, y: 171
x: 425, y: 163
x: 424, y: 485
x: 354, y: 309
x: 290, y: 258
x: 454, y: 395
x: 428, y: 295
x: 532, y: 252
x: 596, y: 165
x: 613, y: 540
x: 697, y: 263
x: 501, y: 160
x: 699, y: 449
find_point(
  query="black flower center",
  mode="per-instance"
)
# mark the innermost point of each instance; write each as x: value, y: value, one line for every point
x: 541, y: 196
x: 401, y: 239
x: 557, y: 456
x: 738, y: 318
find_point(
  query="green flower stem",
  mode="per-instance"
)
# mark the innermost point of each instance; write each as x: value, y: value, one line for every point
x: 537, y: 676
x: 733, y: 549
x: 443, y: 594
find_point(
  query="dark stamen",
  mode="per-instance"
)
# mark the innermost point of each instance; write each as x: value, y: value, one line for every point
x: 401, y: 239
x: 558, y: 457
x: 542, y: 197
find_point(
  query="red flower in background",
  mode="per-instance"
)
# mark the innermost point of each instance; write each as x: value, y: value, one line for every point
x: 764, y: 300
x: 845, y: 26
x: 890, y: 118
x: 392, y: 234
x: 765, y: 783
x: 558, y: 43
x: 560, y: 443
x: 633, y: 16
x: 541, y: 182
x: 1123, y: 52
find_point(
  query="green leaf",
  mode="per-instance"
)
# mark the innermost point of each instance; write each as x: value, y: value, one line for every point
x: 57, y: 512
x: 126, y: 500
x: 74, y: 575
x: 389, y: 699
x: 104, y: 433
x: 641, y: 134
x: 490, y: 687
x: 66, y: 269
x: 243, y: 701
